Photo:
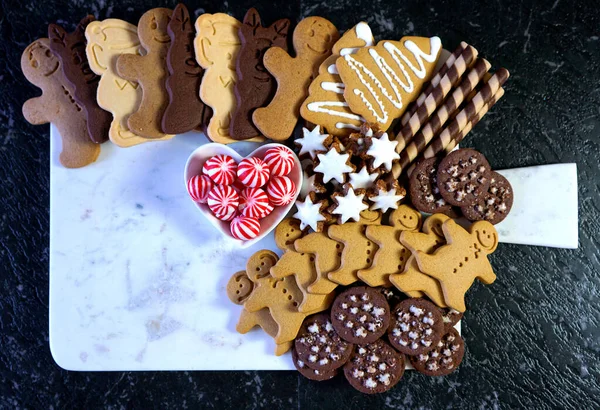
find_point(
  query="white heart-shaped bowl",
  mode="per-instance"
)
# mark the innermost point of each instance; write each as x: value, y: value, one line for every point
x: 194, y: 167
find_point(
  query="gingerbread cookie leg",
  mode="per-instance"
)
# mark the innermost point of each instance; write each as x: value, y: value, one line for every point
x: 327, y: 254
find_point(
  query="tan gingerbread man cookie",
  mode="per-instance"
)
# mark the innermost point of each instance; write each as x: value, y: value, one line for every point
x: 463, y: 259
x: 150, y: 71
x: 358, y: 250
x: 281, y: 296
x: 328, y: 256
x: 56, y: 105
x: 287, y: 232
x: 313, y: 39
x: 239, y: 288
x: 412, y: 281
x: 391, y: 255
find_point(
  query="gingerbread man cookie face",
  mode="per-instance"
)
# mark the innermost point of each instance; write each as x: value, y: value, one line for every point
x: 313, y: 39
x: 56, y: 105
x: 487, y: 238
x: 186, y: 111
x: 239, y: 287
x: 150, y: 71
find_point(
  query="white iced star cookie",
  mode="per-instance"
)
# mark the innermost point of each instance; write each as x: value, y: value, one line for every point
x: 362, y: 179
x: 313, y: 142
x: 308, y: 182
x: 385, y: 199
x: 309, y: 213
x: 334, y: 165
x: 349, y: 205
x: 383, y: 151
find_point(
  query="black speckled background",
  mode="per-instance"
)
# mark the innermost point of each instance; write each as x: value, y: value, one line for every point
x: 533, y: 338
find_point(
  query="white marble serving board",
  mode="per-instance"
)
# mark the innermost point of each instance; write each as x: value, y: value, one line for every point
x: 137, y: 275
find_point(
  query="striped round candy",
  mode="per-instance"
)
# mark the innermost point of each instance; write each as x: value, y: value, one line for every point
x: 280, y: 160
x: 245, y: 227
x: 253, y: 172
x: 221, y: 169
x: 253, y: 202
x: 198, y: 187
x: 268, y: 209
x: 223, y: 201
x: 281, y: 191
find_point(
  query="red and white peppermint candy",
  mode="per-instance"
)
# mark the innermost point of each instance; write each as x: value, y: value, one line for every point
x: 254, y: 202
x: 281, y: 191
x: 253, y: 172
x: 245, y: 227
x: 198, y: 187
x: 223, y: 201
x: 221, y: 169
x: 268, y: 209
x: 280, y: 160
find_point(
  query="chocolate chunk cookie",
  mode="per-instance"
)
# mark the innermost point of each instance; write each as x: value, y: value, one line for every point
x: 374, y: 368
x: 424, y: 192
x: 360, y: 315
x: 312, y: 374
x: 444, y: 358
x: 495, y: 204
x: 450, y: 317
x: 463, y: 177
x: 416, y: 326
x: 319, y: 346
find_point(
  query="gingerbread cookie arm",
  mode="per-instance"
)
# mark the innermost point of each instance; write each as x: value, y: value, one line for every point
x: 127, y: 66
x: 34, y: 110
x: 282, y: 348
x: 275, y: 58
x: 248, y: 320
x: 256, y: 300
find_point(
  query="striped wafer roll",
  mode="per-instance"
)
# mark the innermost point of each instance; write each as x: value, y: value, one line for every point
x: 435, y: 80
x: 455, y: 140
x: 458, y: 123
x: 439, y: 117
x: 435, y: 97
x: 447, y: 142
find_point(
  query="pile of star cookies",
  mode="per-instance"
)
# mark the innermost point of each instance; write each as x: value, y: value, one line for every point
x: 436, y: 260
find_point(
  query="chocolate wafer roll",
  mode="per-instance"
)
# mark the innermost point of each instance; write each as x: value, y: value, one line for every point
x: 447, y: 142
x: 456, y: 139
x: 435, y: 81
x: 439, y: 117
x: 435, y: 97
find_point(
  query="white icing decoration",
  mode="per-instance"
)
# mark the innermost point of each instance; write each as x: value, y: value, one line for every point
x: 362, y: 179
x: 383, y: 151
x: 308, y: 213
x: 333, y: 166
x: 391, y: 75
x: 349, y: 206
x: 337, y: 88
x: 312, y: 141
x: 308, y: 183
x: 385, y: 200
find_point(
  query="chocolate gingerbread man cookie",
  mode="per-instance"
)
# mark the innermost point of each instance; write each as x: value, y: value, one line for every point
x: 255, y: 86
x: 185, y: 111
x: 70, y: 50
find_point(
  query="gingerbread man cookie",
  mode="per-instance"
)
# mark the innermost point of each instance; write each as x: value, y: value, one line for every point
x: 327, y: 254
x: 326, y: 105
x: 281, y: 296
x: 185, y: 111
x: 255, y: 86
x: 56, y: 105
x: 313, y: 39
x: 239, y: 288
x: 463, y: 258
x: 150, y: 71
x: 70, y: 50
x: 391, y: 255
x: 381, y: 81
x: 106, y: 41
x: 358, y: 250
x: 412, y: 281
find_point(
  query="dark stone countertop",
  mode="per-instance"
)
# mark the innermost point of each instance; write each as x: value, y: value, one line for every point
x: 533, y: 338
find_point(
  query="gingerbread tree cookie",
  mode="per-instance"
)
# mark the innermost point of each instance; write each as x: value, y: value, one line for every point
x: 381, y: 81
x: 358, y: 250
x: 326, y: 105
x: 391, y: 255
x: 313, y: 39
x: 461, y: 260
x: 327, y: 254
x: 239, y: 288
x: 412, y: 281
